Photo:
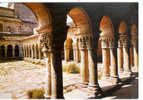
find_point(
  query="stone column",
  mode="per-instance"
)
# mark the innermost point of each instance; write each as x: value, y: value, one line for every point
x: 113, y: 62
x: 21, y: 51
x: 120, y: 59
x: 46, y: 49
x: 6, y: 51
x: 84, y: 61
x: 93, y: 73
x: 39, y: 49
x: 127, y: 67
x: 28, y: 51
x: 67, y: 52
x: 48, y: 76
x: 35, y: 53
x: 74, y: 51
x: 77, y: 53
x: 32, y: 52
x: 105, y: 63
x: 135, y: 58
x: 13, y: 51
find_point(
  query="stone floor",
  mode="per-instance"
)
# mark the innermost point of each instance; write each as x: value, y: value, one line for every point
x: 17, y: 77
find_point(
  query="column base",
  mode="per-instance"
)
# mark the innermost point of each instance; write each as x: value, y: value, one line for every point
x: 47, y: 96
x: 128, y: 73
x: 85, y: 83
x: 105, y: 77
x: 95, y: 92
x: 121, y: 70
x: 135, y: 69
x: 115, y: 80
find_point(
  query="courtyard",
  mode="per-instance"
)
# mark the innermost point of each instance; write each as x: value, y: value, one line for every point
x: 18, y: 77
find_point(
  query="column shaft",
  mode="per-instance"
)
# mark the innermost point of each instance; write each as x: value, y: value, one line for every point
x: 113, y: 63
x: 126, y: 59
x: 135, y: 57
x: 106, y: 61
x: 48, y: 77
x: 93, y: 74
x: 120, y: 59
x: 84, y: 66
x: 67, y: 52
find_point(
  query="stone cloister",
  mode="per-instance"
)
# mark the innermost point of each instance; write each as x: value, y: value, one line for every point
x: 118, y: 36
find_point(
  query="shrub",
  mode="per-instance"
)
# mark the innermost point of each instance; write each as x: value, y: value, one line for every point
x: 36, y: 93
x: 71, y: 68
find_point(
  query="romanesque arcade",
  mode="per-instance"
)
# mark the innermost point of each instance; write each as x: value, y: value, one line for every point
x: 79, y: 42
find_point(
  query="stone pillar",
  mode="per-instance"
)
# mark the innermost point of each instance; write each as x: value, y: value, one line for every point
x: 46, y: 49
x: 48, y: 76
x: 93, y: 73
x: 74, y: 51
x: 134, y: 41
x: 66, y: 53
x: 21, y: 51
x: 32, y: 52
x: 127, y: 67
x: 135, y: 58
x: 35, y: 53
x: 120, y: 59
x: 84, y: 61
x: 28, y: 51
x: 39, y: 51
x: 77, y: 53
x: 6, y: 51
x: 113, y: 63
x: 105, y: 62
x: 13, y: 51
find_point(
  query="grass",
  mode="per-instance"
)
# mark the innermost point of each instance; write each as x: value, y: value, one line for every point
x: 71, y: 68
x: 36, y: 93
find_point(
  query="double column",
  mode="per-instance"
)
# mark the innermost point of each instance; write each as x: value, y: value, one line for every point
x: 52, y: 79
x: 134, y: 41
x: 84, y: 72
x: 76, y: 51
x: 123, y: 54
x: 105, y: 58
x: 109, y: 62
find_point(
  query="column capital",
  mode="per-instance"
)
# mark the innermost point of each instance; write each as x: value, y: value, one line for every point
x: 46, y: 42
x: 82, y: 43
x: 123, y: 41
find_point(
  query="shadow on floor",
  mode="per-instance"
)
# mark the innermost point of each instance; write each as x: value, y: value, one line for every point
x: 127, y: 90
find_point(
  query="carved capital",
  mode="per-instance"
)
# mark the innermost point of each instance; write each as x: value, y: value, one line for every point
x: 111, y: 43
x: 46, y: 43
x: 104, y: 44
x: 123, y: 40
x: 82, y: 43
x: 120, y: 43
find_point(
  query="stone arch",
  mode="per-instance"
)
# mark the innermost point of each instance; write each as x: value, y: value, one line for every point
x: 43, y: 16
x: 122, y: 27
x: 16, y: 51
x: 82, y: 23
x: 9, y: 51
x: 106, y: 27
